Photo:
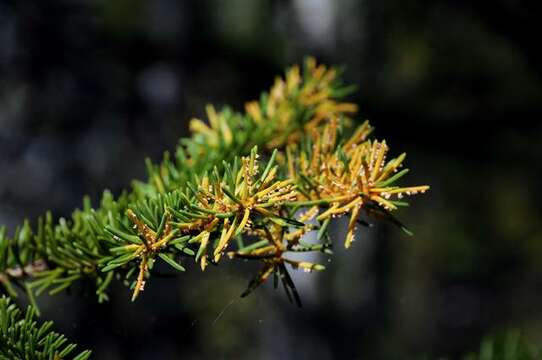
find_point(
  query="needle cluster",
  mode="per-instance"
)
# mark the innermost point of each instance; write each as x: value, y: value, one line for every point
x: 245, y: 186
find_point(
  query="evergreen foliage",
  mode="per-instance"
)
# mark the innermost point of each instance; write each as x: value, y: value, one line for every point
x: 57, y: 253
x: 217, y: 196
x: 21, y: 338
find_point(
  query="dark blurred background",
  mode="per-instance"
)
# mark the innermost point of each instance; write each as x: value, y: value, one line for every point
x: 88, y: 88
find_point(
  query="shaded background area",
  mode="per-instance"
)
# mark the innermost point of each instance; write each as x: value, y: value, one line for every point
x: 88, y: 88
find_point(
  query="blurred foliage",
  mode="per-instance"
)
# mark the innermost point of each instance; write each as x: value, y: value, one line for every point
x: 511, y: 346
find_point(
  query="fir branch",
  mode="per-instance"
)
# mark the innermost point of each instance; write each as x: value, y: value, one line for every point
x: 21, y: 338
x: 195, y: 206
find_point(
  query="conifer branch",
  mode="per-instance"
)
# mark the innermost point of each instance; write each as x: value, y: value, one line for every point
x: 215, y: 199
x: 21, y: 338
